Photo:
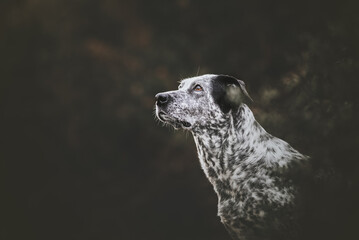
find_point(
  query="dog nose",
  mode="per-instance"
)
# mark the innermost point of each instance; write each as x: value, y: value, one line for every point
x: 161, y: 98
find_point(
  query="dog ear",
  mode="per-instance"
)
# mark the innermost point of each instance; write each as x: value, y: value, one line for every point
x: 242, y: 85
x: 228, y: 92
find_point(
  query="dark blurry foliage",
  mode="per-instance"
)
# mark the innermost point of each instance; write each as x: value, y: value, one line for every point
x: 81, y: 154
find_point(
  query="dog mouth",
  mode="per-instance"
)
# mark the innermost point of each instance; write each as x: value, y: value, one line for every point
x: 176, y: 123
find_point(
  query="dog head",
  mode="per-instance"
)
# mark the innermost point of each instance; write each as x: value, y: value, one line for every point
x: 200, y: 102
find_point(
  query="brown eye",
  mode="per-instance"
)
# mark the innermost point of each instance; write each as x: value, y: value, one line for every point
x: 198, y: 88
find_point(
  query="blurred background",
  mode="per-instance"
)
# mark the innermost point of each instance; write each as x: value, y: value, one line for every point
x: 82, y: 156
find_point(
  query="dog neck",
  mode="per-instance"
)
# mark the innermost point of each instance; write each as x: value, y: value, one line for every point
x: 239, y: 144
x: 235, y: 133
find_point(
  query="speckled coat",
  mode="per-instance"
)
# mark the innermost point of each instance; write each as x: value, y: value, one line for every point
x: 249, y: 169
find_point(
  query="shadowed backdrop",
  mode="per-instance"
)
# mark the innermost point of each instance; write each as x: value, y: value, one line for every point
x: 82, y: 156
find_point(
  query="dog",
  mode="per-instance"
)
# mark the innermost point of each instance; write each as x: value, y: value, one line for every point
x: 251, y: 170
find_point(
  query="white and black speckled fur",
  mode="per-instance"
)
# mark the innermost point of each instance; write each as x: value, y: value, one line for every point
x: 248, y: 167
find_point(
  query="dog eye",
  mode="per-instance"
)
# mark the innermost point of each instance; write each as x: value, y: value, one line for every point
x: 198, y: 88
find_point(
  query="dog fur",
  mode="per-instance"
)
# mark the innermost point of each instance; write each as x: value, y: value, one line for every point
x: 250, y: 170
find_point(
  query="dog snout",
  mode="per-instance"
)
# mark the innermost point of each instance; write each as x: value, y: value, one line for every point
x: 162, y: 99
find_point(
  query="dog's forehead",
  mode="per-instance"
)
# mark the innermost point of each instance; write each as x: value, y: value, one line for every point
x: 204, y: 79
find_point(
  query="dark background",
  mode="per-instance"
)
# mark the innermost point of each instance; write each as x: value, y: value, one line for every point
x: 82, y: 156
